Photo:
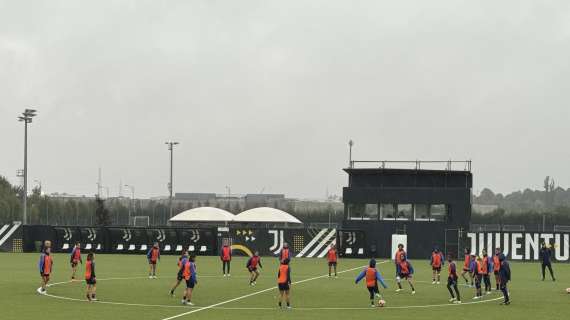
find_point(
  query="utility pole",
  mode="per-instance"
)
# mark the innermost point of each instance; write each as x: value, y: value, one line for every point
x: 26, y: 117
x: 171, y: 145
x: 99, y: 184
x: 132, y: 201
x: 350, y: 144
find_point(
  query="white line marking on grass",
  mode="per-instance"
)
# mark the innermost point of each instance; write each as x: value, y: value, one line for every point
x: 255, y: 293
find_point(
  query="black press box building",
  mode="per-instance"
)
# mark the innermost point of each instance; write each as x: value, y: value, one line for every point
x: 429, y: 201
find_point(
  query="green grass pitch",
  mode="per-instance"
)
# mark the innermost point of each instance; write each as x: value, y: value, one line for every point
x: 128, y: 294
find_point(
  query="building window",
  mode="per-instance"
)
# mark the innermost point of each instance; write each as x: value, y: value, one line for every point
x: 387, y: 211
x: 404, y: 212
x: 360, y: 211
x: 370, y: 212
x: 438, y: 212
x: 421, y: 212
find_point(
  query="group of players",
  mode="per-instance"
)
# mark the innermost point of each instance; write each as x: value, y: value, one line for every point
x: 476, y: 272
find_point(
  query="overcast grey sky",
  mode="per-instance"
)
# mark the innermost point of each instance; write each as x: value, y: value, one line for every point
x: 267, y: 93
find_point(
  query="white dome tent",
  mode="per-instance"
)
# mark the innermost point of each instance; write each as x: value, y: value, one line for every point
x: 204, y: 215
x: 266, y: 215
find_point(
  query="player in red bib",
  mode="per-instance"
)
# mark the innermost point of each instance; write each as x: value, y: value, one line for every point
x: 181, y: 262
x: 75, y: 259
x: 332, y: 258
x: 372, y: 277
x: 487, y: 266
x: 467, y: 266
x: 153, y: 257
x: 284, y: 283
x: 285, y: 253
x: 497, y: 267
x: 251, y: 266
x: 226, y: 258
x: 436, y: 263
x: 90, y: 277
x: 452, y: 280
x: 190, y: 275
x: 400, y: 253
x: 46, y: 266
x: 406, y: 273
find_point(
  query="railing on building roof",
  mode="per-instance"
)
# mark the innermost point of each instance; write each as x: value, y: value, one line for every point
x: 447, y: 165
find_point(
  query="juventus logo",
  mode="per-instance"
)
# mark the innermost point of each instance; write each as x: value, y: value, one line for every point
x: 91, y: 234
x: 277, y: 241
x: 127, y: 235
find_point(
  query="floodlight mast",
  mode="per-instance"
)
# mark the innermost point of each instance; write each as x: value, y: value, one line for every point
x: 26, y: 117
x: 171, y: 145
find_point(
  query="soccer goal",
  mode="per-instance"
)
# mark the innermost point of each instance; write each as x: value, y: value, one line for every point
x: 141, y: 221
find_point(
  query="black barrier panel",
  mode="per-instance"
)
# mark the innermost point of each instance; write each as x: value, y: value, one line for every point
x: 35, y: 235
x: 128, y: 240
x: 65, y: 239
x: 521, y: 246
x: 311, y: 243
x: 197, y: 241
x: 352, y: 244
x: 93, y: 239
x: 421, y: 239
x: 166, y: 238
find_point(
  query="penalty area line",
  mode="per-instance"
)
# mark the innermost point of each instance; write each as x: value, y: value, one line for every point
x: 255, y: 293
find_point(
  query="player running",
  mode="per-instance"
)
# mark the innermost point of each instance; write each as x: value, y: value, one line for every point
x: 496, y: 267
x: 153, y: 256
x: 545, y: 254
x: 372, y: 277
x: 190, y: 276
x: 90, y: 277
x: 452, y: 280
x: 181, y: 262
x: 487, y: 267
x: 397, y: 260
x: 226, y: 258
x: 46, y: 266
x: 332, y: 258
x: 505, y: 276
x: 467, y: 266
x: 75, y: 259
x: 284, y: 283
x: 436, y: 262
x: 406, y: 273
x: 251, y: 266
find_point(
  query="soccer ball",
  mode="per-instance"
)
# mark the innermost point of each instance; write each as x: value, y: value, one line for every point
x: 381, y: 302
x: 568, y: 290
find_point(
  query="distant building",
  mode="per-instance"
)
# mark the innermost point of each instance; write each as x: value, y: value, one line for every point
x: 253, y: 200
x: 195, y: 196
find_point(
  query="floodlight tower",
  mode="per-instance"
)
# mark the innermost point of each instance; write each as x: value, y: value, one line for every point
x: 26, y: 117
x: 171, y: 145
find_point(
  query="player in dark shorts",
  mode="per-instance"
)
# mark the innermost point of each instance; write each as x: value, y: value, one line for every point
x: 191, y: 278
x: 181, y: 261
x: 452, y: 280
x: 90, y: 277
x: 436, y: 262
x: 545, y: 254
x: 252, y: 264
x: 332, y: 258
x: 496, y: 267
x: 406, y: 273
x: 75, y: 259
x: 284, y: 283
x: 45, y: 265
x: 372, y: 277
